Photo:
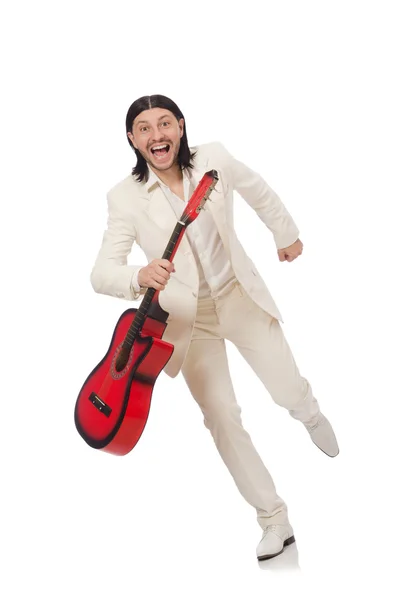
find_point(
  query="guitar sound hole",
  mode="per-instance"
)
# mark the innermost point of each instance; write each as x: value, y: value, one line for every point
x: 122, y: 359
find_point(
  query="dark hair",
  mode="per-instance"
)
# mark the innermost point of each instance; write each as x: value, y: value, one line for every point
x: 185, y: 157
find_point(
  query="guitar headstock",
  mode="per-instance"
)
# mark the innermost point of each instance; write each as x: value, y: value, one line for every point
x: 199, y: 197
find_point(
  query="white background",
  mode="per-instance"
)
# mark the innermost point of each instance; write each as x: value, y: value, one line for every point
x: 304, y: 93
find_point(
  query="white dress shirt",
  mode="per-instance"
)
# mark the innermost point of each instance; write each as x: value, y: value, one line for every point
x: 215, y: 270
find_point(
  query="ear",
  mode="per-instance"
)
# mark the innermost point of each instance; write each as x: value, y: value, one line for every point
x: 131, y: 137
x: 181, y: 127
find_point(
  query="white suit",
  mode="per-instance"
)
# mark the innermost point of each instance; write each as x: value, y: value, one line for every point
x: 246, y: 315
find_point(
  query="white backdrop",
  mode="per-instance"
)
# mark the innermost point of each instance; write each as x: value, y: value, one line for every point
x: 302, y: 92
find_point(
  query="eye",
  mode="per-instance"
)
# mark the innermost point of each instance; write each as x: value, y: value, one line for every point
x: 143, y: 128
x: 166, y: 123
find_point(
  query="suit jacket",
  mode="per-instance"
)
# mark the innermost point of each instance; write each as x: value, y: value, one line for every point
x: 142, y: 214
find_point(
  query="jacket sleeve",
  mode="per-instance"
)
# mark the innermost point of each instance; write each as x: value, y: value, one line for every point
x: 260, y: 196
x: 110, y: 274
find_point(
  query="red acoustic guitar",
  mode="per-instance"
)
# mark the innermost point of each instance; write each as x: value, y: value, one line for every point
x: 113, y: 405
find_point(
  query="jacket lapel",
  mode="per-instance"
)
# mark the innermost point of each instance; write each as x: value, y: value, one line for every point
x: 160, y: 211
x: 162, y: 214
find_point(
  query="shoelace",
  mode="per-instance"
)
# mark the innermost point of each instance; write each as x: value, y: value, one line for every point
x: 269, y: 528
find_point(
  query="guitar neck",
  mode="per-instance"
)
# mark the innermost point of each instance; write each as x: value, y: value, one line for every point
x: 169, y: 253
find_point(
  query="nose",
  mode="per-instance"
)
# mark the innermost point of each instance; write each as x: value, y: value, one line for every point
x: 158, y: 136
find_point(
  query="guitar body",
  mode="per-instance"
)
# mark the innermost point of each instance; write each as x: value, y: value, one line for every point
x: 112, y: 407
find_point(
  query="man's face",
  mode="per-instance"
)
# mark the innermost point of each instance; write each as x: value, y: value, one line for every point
x: 156, y: 128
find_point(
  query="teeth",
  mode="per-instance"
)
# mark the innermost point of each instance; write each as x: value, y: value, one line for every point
x: 159, y: 147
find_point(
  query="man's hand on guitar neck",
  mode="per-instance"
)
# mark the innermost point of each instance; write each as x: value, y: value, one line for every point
x: 156, y: 274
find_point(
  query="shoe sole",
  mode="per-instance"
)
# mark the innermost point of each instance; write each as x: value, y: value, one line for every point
x: 287, y: 542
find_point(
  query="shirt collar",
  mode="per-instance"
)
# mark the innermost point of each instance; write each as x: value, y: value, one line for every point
x: 153, y: 179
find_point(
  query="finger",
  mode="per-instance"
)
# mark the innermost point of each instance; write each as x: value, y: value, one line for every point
x: 161, y: 273
x: 166, y: 264
x: 156, y: 285
x: 161, y: 278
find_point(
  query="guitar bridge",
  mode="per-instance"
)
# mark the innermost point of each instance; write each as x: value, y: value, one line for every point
x: 100, y: 404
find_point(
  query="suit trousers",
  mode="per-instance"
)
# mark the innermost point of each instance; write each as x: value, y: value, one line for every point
x: 258, y: 336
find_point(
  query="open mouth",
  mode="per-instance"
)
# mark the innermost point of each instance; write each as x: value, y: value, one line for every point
x: 161, y: 150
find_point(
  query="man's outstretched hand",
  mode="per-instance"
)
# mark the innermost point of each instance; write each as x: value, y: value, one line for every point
x: 291, y: 252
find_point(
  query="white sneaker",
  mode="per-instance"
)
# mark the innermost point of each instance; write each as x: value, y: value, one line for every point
x: 323, y: 436
x: 274, y: 540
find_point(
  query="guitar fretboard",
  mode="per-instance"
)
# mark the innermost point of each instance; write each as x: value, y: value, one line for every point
x: 141, y: 313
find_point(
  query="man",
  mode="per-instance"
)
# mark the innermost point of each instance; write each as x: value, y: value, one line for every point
x: 212, y: 291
